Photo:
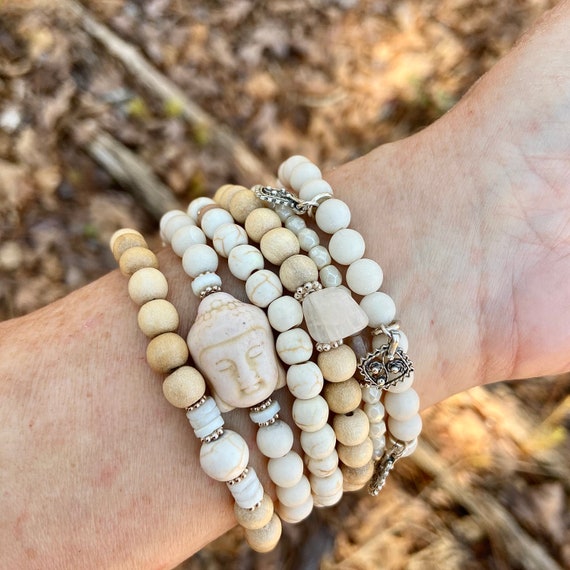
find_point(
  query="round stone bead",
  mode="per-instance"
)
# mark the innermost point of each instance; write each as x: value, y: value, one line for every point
x: 124, y: 239
x: 320, y: 255
x: 157, y: 317
x: 356, y: 455
x: 328, y: 500
x: 186, y: 236
x: 184, y: 387
x: 147, y: 284
x: 275, y: 440
x: 136, y: 258
x: 248, y: 492
x: 405, y: 430
x: 403, y: 385
x: 295, y: 224
x: 379, y: 307
x: 375, y: 412
x: 319, y: 444
x: 380, y: 339
x: 305, y: 380
x: 298, y: 513
x: 167, y: 217
x: 243, y: 203
x: 244, y: 260
x: 226, y: 457
x: 285, y: 313
x: 346, y: 246
x: 213, y: 219
x: 351, y: 428
x: 294, y: 346
x: 303, y: 172
x: 297, y: 270
x: 332, y: 215
x: 287, y: 166
x: 325, y: 466
x: 402, y: 406
x: 256, y: 518
x: 199, y: 258
x: 330, y: 276
x: 312, y: 414
x: 174, y: 224
x: 286, y: 471
x: 166, y: 352
x: 410, y: 448
x: 197, y: 205
x: 263, y: 287
x: 354, y: 478
x: 265, y: 539
x: 364, y: 276
x: 228, y: 236
x: 226, y: 197
x: 371, y: 394
x: 343, y: 397
x: 203, y: 281
x: 339, y: 364
x: 295, y: 495
x: 259, y: 222
x: 327, y: 486
x: 313, y: 188
x: 308, y: 239
x: 278, y: 244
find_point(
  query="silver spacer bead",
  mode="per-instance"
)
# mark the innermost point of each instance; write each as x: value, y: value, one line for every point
x: 269, y: 422
x: 197, y: 404
x: 262, y: 406
x: 209, y: 290
x: 327, y: 346
x: 239, y: 478
x: 256, y: 506
x: 307, y: 289
x: 213, y: 436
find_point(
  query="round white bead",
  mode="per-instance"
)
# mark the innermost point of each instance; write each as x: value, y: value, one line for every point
x: 329, y: 500
x: 313, y: 188
x: 228, y: 236
x: 295, y: 495
x: 371, y: 394
x: 174, y: 224
x: 285, y: 313
x: 375, y: 412
x: 364, y: 276
x: 308, y: 238
x: 286, y: 471
x: 346, y: 246
x: 202, y: 282
x: 377, y: 430
x: 330, y: 276
x: 295, y: 224
x: 402, y: 406
x: 147, y: 284
x: 325, y: 466
x: 332, y: 215
x: 312, y: 414
x: 403, y: 385
x: 244, y: 260
x: 298, y: 513
x: 275, y: 440
x: 405, y: 430
x: 287, y: 166
x: 294, y: 346
x: 304, y: 172
x: 186, y: 236
x: 320, y: 255
x: 248, y: 492
x: 318, y: 444
x: 199, y: 258
x: 166, y: 218
x: 380, y: 339
x: 266, y: 414
x: 226, y: 457
x: 410, y: 448
x: 327, y: 486
x: 263, y: 287
x: 196, y: 205
x: 305, y: 380
x: 213, y: 219
x: 379, y: 307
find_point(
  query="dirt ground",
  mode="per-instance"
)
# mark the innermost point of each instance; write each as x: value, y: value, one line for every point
x: 489, y: 487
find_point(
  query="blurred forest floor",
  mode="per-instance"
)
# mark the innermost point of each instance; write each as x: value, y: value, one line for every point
x: 81, y: 124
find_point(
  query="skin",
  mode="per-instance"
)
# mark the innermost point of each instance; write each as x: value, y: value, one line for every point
x: 470, y: 222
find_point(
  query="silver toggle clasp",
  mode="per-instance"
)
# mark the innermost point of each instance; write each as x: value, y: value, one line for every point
x: 286, y: 198
x: 385, y: 465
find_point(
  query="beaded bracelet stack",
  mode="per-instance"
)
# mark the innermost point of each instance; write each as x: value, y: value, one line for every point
x: 231, y: 343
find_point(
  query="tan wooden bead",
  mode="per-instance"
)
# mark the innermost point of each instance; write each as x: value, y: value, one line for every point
x: 339, y: 364
x: 356, y: 455
x: 351, y: 428
x: 296, y: 271
x: 136, y: 258
x: 218, y: 194
x: 166, y: 352
x: 243, y: 203
x: 157, y: 317
x: 259, y: 222
x: 279, y: 244
x: 354, y: 478
x: 121, y: 232
x: 343, y: 397
x: 184, y: 387
x: 226, y: 196
x: 265, y: 539
x: 147, y: 284
x: 126, y: 240
x: 257, y: 518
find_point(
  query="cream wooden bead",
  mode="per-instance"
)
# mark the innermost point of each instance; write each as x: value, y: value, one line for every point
x: 346, y: 246
x: 295, y: 224
x: 263, y: 287
x: 197, y: 205
x: 351, y: 428
x: 308, y: 239
x: 339, y: 364
x: 294, y: 346
x: 167, y: 217
x: 213, y: 219
x: 342, y: 397
x: 296, y: 271
x: 248, y: 492
x: 356, y: 455
x: 402, y: 406
x: 275, y: 440
x: 220, y: 192
x: 199, y: 258
x: 330, y: 276
x: 174, y: 224
x: 295, y: 495
x: 375, y: 412
x: 257, y: 518
x: 186, y: 236
x: 184, y: 387
x: 278, y: 244
x: 124, y: 239
x: 332, y: 215
x: 302, y: 173
x: 287, y: 166
x: 285, y: 313
x: 286, y: 471
x: 225, y: 199
x: 402, y: 385
x: 206, y: 418
x: 327, y: 486
x: 313, y: 188
x: 265, y: 539
x: 379, y: 307
x: 305, y: 380
x: 228, y: 236
x: 147, y: 284
x: 166, y: 352
x: 405, y: 430
x: 157, y: 317
x: 379, y: 340
x: 243, y: 203
x: 298, y: 513
x: 259, y: 222
x: 325, y: 466
x: 364, y: 276
x: 136, y: 258
x: 226, y: 457
x: 244, y: 260
x: 312, y: 414
x: 319, y: 444
x: 123, y: 231
x: 203, y: 281
x: 354, y: 478
x: 320, y: 255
